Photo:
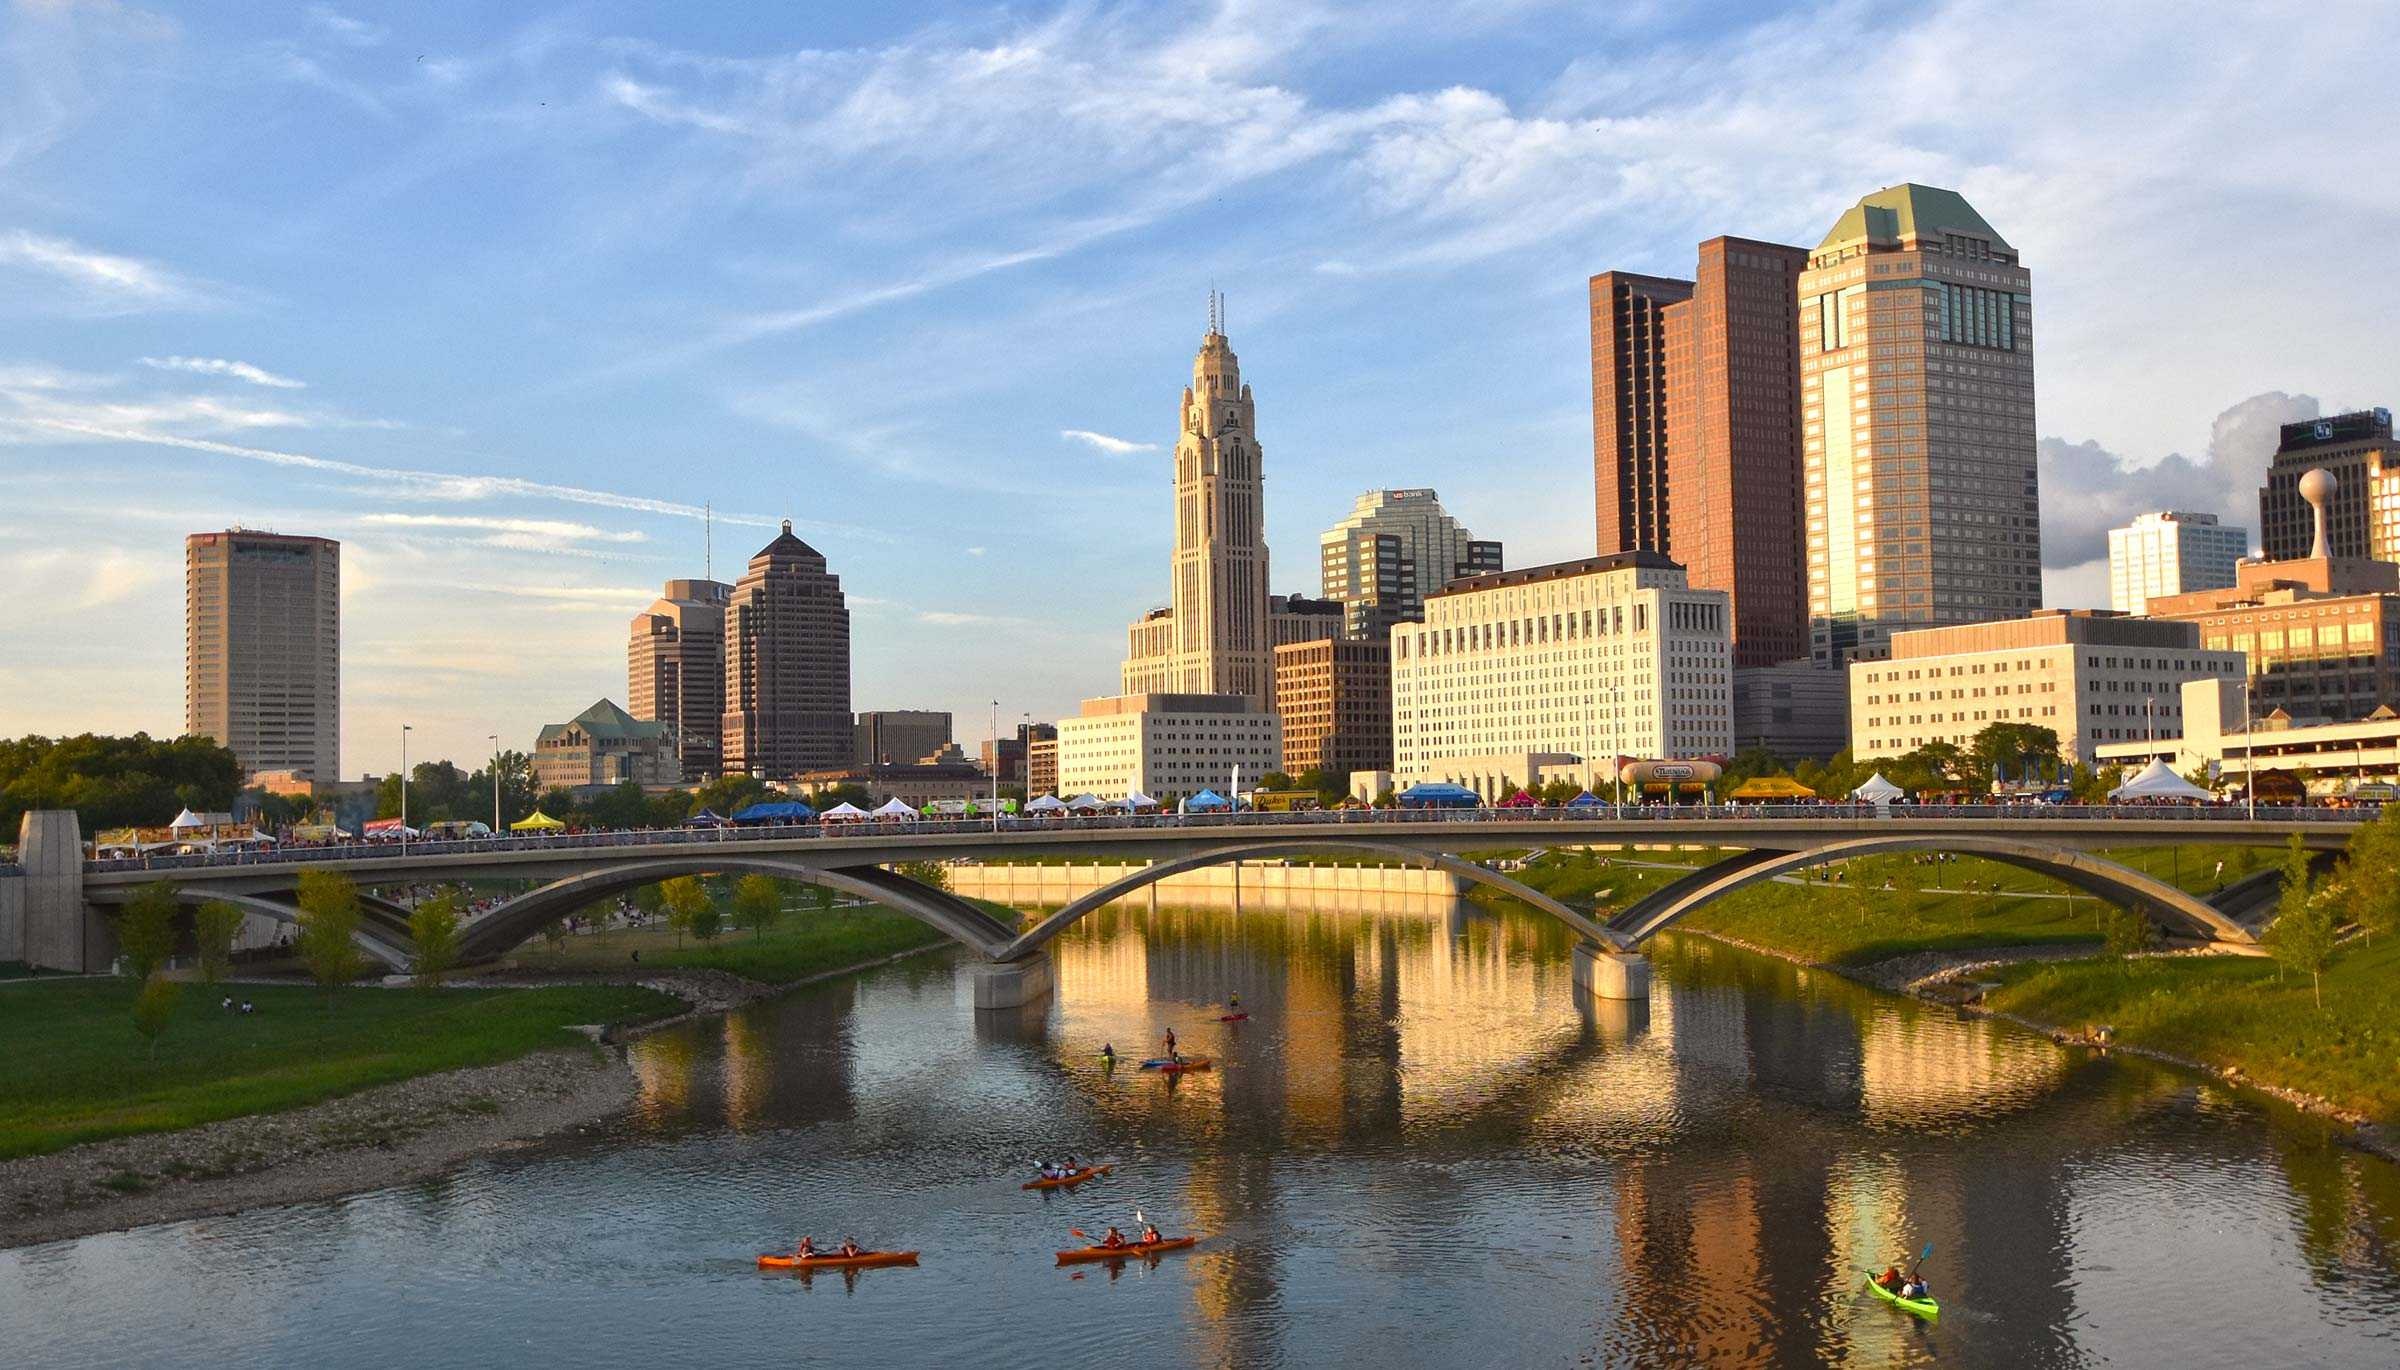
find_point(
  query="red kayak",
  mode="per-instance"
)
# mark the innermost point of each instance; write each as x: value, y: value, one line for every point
x: 1127, y: 1251
x: 1069, y: 1181
x: 859, y: 1261
x: 1234, y: 1018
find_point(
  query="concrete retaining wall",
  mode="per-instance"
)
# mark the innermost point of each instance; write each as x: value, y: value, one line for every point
x: 1269, y: 885
x: 12, y: 917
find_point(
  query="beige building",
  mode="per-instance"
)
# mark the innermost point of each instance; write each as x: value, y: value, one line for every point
x: 2220, y: 736
x: 604, y: 746
x: 675, y: 670
x: 913, y: 783
x: 1215, y: 636
x: 1041, y: 765
x: 2321, y: 634
x: 787, y: 665
x: 2091, y: 676
x: 1917, y: 435
x: 1167, y: 746
x: 1334, y: 696
x: 262, y: 649
x: 1605, y: 657
x: 2170, y: 553
x: 1395, y: 548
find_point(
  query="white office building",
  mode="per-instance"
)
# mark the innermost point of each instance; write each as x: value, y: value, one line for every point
x: 2170, y: 553
x: 1167, y: 746
x: 1599, y: 658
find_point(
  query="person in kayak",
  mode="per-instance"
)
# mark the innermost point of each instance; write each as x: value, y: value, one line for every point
x: 1916, y: 1287
x: 806, y: 1250
x: 850, y: 1247
x: 1108, y: 1051
x: 1891, y: 1279
x: 1150, y: 1235
x: 1235, y: 1001
x: 1113, y: 1240
x: 1171, y: 1046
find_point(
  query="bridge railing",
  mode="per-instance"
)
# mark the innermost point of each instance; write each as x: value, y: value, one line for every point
x: 675, y: 839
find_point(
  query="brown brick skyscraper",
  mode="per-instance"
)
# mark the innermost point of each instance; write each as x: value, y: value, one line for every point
x: 787, y: 664
x: 1696, y: 432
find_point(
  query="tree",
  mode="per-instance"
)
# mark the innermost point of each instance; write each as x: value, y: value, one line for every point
x: 929, y: 873
x: 153, y: 1008
x: 2370, y: 875
x: 214, y: 928
x: 624, y: 806
x: 707, y: 922
x: 1275, y: 780
x: 1558, y: 792
x: 146, y: 928
x: 2125, y: 933
x: 2011, y: 746
x: 757, y: 901
x: 2302, y: 935
x: 650, y: 901
x: 729, y: 794
x: 433, y: 926
x: 686, y: 901
x: 328, y: 920
x: 114, y: 782
x: 554, y: 933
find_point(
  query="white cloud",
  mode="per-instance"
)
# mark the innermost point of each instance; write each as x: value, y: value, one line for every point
x: 94, y: 280
x: 219, y: 366
x: 357, y: 33
x: 523, y: 534
x: 1115, y: 447
x: 977, y: 551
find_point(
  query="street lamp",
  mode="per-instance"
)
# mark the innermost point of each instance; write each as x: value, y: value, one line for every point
x: 995, y: 765
x: 495, y: 784
x: 404, y: 731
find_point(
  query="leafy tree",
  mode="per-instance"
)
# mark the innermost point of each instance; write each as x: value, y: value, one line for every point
x: 929, y: 873
x: 153, y: 1008
x: 2011, y: 745
x: 1749, y: 764
x: 728, y: 794
x: 2125, y: 933
x: 146, y: 928
x: 214, y: 928
x: 624, y: 806
x: 1276, y: 780
x: 845, y: 793
x: 554, y: 933
x: 650, y: 900
x: 433, y: 926
x: 328, y: 918
x: 2302, y: 935
x: 274, y: 812
x: 686, y: 901
x: 2370, y: 875
x: 757, y: 901
x: 1558, y: 792
x: 707, y: 922
x: 114, y: 782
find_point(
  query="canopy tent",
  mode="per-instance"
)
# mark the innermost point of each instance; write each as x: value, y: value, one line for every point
x: 844, y: 812
x: 1086, y: 803
x: 2158, y: 781
x: 706, y: 818
x: 537, y: 821
x: 1586, y: 800
x: 1048, y: 803
x: 187, y: 819
x: 1207, y: 801
x: 457, y: 827
x: 1769, y: 787
x: 1439, y: 794
x: 1520, y: 800
x: 393, y: 827
x: 317, y: 832
x: 1877, y: 790
x: 894, y: 808
x: 1138, y: 802
x: 771, y: 811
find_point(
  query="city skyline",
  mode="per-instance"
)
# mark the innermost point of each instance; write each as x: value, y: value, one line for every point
x: 514, y: 456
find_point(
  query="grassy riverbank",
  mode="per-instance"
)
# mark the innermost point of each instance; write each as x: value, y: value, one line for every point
x: 78, y: 1072
x: 2238, y: 1011
x: 800, y: 944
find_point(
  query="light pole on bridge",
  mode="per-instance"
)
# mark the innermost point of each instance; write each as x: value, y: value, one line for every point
x: 404, y: 731
x: 496, y: 785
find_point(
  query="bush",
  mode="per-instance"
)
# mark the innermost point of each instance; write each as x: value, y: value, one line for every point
x: 214, y: 928
x: 146, y: 928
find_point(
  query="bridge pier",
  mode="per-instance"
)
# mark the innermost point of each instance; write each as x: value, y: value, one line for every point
x: 57, y: 929
x: 1606, y: 973
x: 1011, y: 984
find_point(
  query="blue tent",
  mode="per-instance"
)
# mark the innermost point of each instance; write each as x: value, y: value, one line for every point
x: 706, y: 818
x: 1439, y: 794
x: 781, y: 811
x: 1207, y: 801
x: 1587, y: 800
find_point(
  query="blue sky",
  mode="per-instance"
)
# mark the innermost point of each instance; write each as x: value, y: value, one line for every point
x: 500, y: 295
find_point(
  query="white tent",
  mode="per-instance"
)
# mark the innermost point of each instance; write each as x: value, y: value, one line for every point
x: 1048, y: 803
x: 1086, y: 803
x: 1138, y: 802
x: 1877, y: 790
x: 842, y: 813
x: 2159, y: 781
x: 893, y: 808
x: 187, y: 820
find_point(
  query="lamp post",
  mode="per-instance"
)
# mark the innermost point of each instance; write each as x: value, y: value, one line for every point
x: 495, y: 784
x: 995, y: 765
x: 404, y: 731
x: 2249, y: 758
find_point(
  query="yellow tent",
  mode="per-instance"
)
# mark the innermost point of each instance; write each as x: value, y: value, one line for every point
x: 537, y: 821
x: 1771, y: 787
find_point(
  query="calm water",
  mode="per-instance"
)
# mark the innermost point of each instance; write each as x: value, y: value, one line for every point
x: 1418, y: 1151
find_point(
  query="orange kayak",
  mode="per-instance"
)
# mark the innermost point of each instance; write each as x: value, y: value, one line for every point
x: 862, y: 1259
x: 1166, y: 1067
x: 1070, y: 1181
x: 1126, y: 1252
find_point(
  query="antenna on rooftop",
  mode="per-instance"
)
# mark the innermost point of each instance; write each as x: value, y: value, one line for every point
x: 708, y: 541
x: 1215, y: 311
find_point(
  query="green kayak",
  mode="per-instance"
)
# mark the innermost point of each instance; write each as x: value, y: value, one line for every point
x: 1923, y: 1308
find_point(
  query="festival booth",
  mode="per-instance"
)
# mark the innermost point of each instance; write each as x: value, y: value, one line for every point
x: 706, y: 818
x: 1878, y: 792
x: 2158, y: 784
x: 1048, y: 806
x: 1771, y: 789
x: 1085, y: 805
x: 1138, y: 802
x: 535, y: 822
x: 1520, y: 800
x: 1587, y: 800
x: 319, y: 832
x: 454, y: 829
x: 894, y: 811
x: 949, y: 808
x: 844, y: 812
x: 1208, y: 801
x: 772, y: 811
x: 393, y: 830
x: 1439, y: 794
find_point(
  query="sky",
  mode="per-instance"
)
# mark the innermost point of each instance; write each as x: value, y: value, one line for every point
x: 502, y: 297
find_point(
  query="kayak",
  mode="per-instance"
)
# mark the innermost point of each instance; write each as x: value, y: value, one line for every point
x: 1071, y: 1180
x: 1126, y: 1252
x: 1167, y: 1067
x: 861, y: 1260
x: 1923, y: 1308
x: 1235, y: 1018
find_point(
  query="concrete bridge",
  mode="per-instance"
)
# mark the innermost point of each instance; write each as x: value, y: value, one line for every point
x: 64, y: 898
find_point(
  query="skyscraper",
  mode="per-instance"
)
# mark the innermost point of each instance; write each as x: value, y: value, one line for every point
x: 787, y: 664
x: 2363, y: 517
x: 675, y: 670
x: 262, y: 649
x: 2170, y: 554
x: 1916, y: 394
x: 1214, y: 637
x: 1696, y: 431
x: 1395, y: 548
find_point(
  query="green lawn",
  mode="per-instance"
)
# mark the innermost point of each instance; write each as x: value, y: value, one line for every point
x: 802, y: 943
x: 2235, y: 1011
x: 78, y: 1072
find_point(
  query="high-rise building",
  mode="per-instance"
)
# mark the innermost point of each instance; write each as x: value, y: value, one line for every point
x: 1214, y: 637
x: 2362, y: 518
x: 1041, y: 765
x: 787, y: 664
x: 1916, y: 400
x: 2321, y: 635
x: 1335, y: 699
x: 1006, y: 757
x: 675, y: 671
x: 898, y: 737
x: 262, y: 649
x: 1395, y: 548
x: 2170, y: 553
x: 1606, y: 657
x: 1167, y: 746
x: 1794, y: 709
x: 1696, y: 431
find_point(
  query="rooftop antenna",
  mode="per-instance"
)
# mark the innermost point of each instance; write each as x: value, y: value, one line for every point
x: 708, y: 541
x: 1215, y: 312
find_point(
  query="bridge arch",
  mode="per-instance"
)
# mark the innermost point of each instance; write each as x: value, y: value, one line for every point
x: 2166, y: 905
x: 523, y: 916
x: 1073, y: 912
x: 388, y: 946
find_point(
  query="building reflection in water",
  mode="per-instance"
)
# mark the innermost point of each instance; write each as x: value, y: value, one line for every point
x: 782, y: 1062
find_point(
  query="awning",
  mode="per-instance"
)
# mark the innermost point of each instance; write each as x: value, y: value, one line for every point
x: 1086, y: 803
x: 1520, y: 800
x: 1771, y: 787
x: 1877, y: 790
x: 1137, y: 801
x: 1048, y: 803
x: 774, y: 811
x: 2159, y: 781
x: 706, y: 818
x: 893, y: 808
x: 1439, y: 794
x: 844, y: 812
x: 1207, y: 801
x: 1586, y: 800
x: 537, y: 821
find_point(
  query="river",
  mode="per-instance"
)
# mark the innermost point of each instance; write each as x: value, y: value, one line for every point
x: 1418, y: 1150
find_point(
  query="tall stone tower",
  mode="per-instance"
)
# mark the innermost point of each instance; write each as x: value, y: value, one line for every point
x: 787, y: 665
x: 1215, y: 637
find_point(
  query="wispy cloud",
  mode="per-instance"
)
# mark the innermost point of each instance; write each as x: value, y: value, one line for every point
x: 530, y: 534
x: 341, y: 28
x: 96, y: 281
x: 1115, y: 447
x: 220, y: 366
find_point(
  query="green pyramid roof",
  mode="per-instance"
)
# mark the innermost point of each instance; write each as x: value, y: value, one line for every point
x: 1909, y: 210
x: 605, y: 722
